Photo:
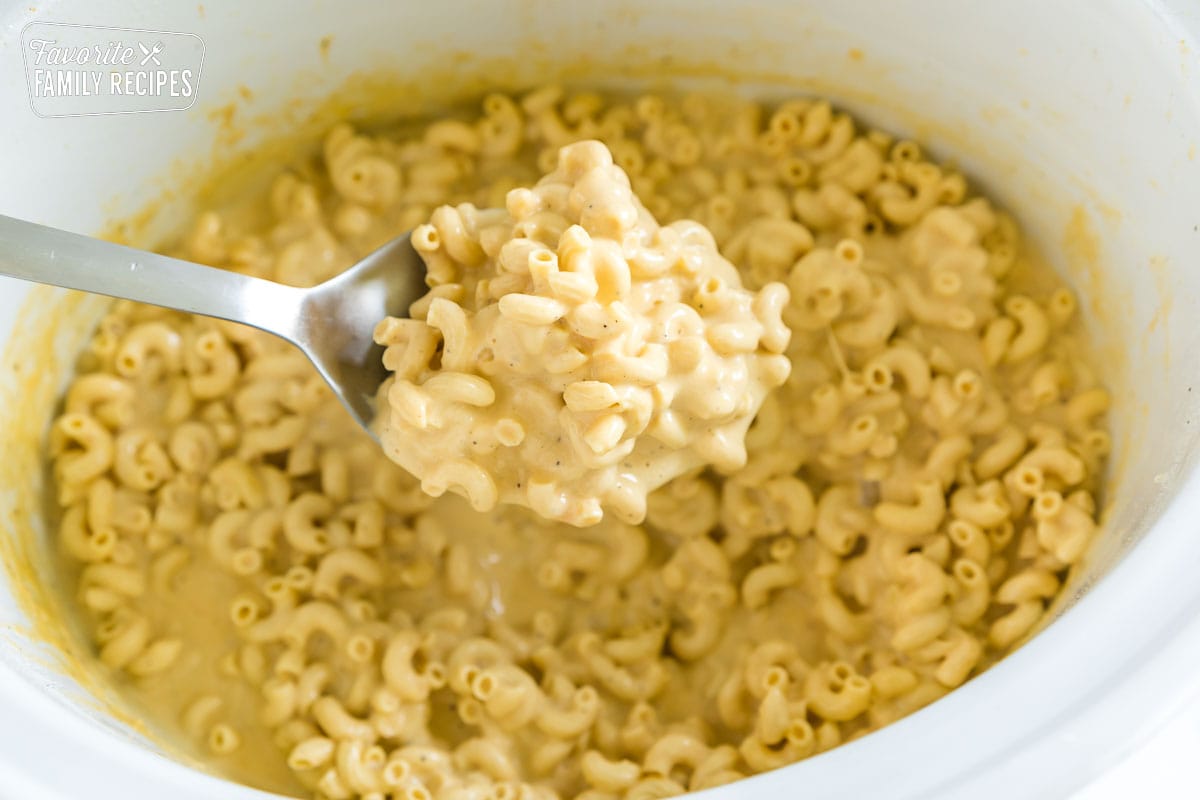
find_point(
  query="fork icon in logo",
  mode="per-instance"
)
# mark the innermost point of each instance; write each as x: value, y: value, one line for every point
x: 151, y: 54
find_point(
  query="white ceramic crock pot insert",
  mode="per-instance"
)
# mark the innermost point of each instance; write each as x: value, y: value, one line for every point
x: 1060, y: 108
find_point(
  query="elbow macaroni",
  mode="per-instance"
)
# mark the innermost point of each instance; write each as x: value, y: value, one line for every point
x: 593, y: 357
x: 917, y: 487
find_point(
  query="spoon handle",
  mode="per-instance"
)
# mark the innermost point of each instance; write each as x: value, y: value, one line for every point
x: 39, y: 253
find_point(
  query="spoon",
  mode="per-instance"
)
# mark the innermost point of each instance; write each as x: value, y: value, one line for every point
x: 332, y: 323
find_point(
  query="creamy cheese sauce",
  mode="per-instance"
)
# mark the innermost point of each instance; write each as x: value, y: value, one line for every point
x: 265, y: 583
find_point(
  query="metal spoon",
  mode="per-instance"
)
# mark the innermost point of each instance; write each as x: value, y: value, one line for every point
x: 331, y: 323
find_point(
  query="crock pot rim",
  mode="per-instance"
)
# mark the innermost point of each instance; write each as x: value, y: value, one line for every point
x: 1152, y: 659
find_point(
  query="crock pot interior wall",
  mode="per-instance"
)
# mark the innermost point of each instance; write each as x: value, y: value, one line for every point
x: 1055, y: 122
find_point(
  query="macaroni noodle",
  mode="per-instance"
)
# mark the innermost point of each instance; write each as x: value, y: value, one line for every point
x: 916, y: 489
x: 593, y: 356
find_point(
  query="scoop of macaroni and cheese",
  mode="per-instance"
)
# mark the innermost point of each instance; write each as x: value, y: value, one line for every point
x: 572, y: 355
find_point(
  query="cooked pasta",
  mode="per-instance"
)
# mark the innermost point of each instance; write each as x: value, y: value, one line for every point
x: 592, y: 356
x: 918, y: 484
